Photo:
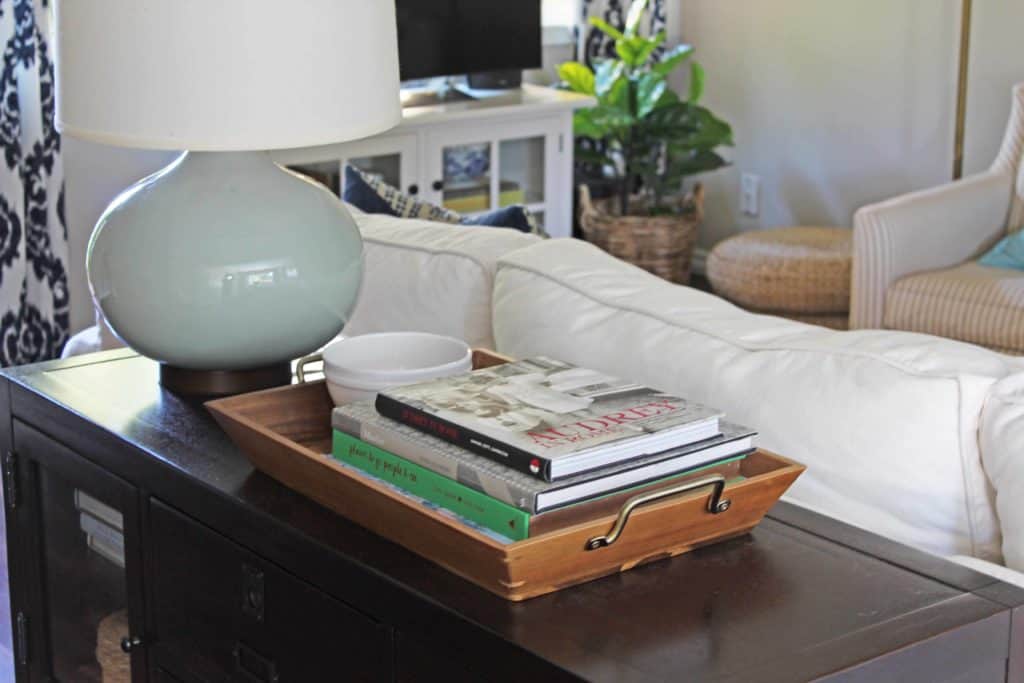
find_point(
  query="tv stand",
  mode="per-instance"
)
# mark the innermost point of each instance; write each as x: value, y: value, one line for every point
x: 470, y: 151
x: 432, y: 98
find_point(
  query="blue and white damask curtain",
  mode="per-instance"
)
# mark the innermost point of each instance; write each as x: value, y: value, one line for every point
x: 33, y: 235
x: 594, y: 44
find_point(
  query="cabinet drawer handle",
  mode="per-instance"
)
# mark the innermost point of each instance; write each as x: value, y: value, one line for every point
x: 131, y: 643
x: 300, y: 366
x: 716, y: 505
x: 414, y: 190
x: 253, y: 666
x: 438, y: 185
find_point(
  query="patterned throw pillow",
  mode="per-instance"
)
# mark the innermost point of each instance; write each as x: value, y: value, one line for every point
x: 373, y: 195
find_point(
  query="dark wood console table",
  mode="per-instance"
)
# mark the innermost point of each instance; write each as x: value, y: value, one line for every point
x: 230, y: 576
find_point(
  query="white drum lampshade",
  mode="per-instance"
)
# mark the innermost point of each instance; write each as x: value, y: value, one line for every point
x: 223, y: 266
x: 226, y: 75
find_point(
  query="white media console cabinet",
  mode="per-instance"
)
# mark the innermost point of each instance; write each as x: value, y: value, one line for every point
x: 503, y: 148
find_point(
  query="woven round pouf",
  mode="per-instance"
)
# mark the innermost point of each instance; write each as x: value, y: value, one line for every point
x: 801, y: 273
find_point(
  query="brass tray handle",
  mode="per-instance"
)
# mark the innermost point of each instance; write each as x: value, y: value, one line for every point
x: 300, y: 365
x: 716, y: 505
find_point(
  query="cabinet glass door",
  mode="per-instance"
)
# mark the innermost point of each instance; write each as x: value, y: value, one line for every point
x: 482, y: 169
x: 79, y: 595
x: 392, y: 159
x: 522, y: 172
x: 467, y: 177
x: 327, y: 173
x: 85, y: 584
x: 385, y: 167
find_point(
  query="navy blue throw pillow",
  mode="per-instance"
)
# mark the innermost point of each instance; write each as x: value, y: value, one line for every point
x: 373, y: 195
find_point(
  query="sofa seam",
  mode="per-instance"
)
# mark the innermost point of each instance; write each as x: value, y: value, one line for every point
x: 743, y: 345
x: 432, y: 252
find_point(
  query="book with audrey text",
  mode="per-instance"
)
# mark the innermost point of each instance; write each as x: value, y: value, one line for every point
x: 548, y: 418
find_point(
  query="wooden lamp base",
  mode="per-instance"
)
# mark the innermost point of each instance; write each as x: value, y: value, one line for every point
x: 216, y: 383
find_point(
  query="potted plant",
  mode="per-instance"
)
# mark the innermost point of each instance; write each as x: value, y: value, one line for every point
x: 649, y: 139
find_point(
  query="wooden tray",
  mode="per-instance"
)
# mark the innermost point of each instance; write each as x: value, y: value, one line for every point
x: 285, y: 433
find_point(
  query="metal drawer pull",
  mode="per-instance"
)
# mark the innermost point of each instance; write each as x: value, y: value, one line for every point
x: 131, y: 643
x: 300, y: 366
x: 716, y: 505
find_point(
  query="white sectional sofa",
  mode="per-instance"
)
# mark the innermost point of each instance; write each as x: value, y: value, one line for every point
x: 917, y: 438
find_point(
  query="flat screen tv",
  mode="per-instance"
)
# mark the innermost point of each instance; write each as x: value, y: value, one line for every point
x: 455, y: 37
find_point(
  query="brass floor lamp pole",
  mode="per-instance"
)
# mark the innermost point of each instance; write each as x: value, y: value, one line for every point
x: 961, y: 89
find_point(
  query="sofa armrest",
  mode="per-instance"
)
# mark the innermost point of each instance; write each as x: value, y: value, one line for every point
x: 927, y: 230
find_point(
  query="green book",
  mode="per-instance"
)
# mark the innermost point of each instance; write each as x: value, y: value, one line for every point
x: 438, y: 489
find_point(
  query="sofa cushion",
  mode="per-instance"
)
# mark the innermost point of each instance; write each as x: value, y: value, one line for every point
x: 970, y: 302
x: 1002, y: 447
x: 429, y: 277
x: 887, y: 423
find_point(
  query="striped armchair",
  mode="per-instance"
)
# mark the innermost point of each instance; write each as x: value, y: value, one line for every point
x: 914, y: 257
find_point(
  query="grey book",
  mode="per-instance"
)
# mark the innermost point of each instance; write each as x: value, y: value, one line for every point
x: 521, y: 490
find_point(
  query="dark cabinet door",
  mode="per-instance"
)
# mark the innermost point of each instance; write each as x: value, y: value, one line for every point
x: 78, y: 590
x: 222, y: 613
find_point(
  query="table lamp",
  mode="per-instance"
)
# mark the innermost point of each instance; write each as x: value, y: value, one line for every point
x: 224, y: 266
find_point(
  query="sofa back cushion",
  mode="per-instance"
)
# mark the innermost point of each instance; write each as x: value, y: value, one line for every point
x: 886, y: 422
x: 429, y: 277
x: 1002, y: 447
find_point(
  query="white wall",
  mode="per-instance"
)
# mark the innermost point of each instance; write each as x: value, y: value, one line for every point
x: 997, y: 63
x: 839, y: 104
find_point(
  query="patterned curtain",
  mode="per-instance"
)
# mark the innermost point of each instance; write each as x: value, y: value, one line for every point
x: 33, y: 235
x: 594, y: 44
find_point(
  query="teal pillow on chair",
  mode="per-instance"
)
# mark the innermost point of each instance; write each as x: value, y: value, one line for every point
x: 1009, y: 253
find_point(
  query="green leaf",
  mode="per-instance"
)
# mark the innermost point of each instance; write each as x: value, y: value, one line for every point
x: 579, y: 77
x: 700, y: 161
x: 606, y: 75
x: 618, y: 96
x: 652, y: 44
x: 583, y: 124
x: 602, y: 122
x: 709, y: 130
x: 668, y: 98
x: 627, y: 49
x: 671, y: 120
x: 649, y: 93
x: 606, y: 28
x: 696, y: 82
x: 635, y: 16
x: 672, y: 58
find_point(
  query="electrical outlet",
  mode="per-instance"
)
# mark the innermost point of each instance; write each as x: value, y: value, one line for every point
x: 750, y: 194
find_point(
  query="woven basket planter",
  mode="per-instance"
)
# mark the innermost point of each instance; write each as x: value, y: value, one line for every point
x: 662, y: 245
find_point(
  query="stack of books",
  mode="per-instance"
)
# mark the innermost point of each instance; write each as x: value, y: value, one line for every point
x: 529, y: 447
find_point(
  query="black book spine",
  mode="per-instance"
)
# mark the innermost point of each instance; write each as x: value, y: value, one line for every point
x: 469, y: 439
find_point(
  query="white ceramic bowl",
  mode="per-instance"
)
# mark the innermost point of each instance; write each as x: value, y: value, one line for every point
x: 358, y: 367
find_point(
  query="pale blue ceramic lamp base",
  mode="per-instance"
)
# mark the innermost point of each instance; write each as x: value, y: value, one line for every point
x: 224, y: 261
